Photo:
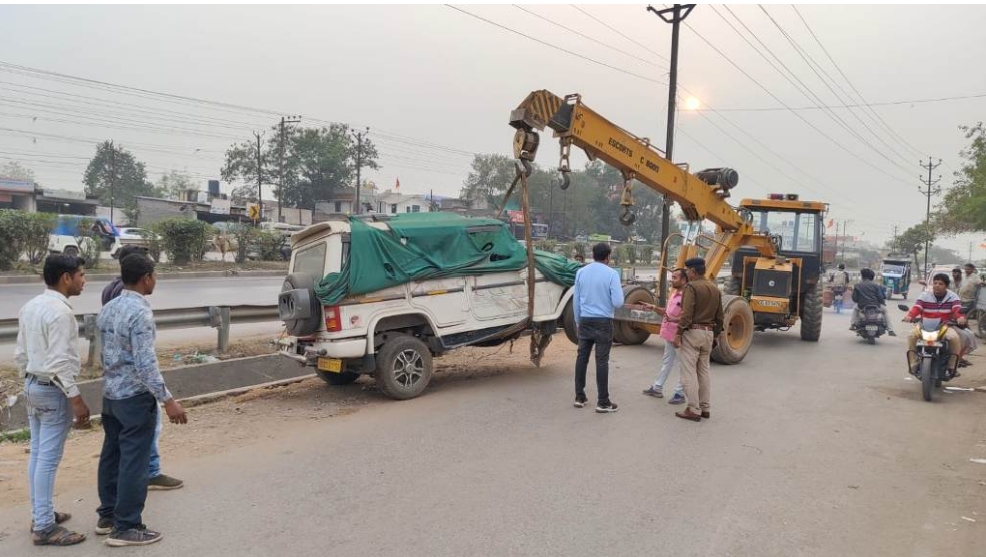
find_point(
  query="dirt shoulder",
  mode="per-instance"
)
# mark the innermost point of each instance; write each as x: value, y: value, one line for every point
x: 264, y: 413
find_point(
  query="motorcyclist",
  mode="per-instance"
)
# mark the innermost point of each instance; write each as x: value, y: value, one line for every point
x: 939, y: 304
x: 970, y: 284
x: 869, y: 293
x: 839, y: 281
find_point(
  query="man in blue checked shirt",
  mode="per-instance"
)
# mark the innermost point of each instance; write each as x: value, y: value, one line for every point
x: 597, y: 294
x: 133, y: 388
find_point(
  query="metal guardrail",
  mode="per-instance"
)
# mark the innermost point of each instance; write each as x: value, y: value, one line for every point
x: 216, y: 317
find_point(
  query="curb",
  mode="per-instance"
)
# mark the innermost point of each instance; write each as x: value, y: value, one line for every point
x: 193, y: 401
x: 233, y: 273
x: 208, y: 398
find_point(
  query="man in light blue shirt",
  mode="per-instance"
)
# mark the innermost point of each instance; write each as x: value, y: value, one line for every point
x: 132, y: 389
x: 597, y: 294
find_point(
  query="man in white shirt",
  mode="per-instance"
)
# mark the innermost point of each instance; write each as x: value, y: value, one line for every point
x: 48, y: 358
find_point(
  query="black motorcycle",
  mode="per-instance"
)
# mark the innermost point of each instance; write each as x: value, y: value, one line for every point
x: 937, y: 364
x: 871, y: 325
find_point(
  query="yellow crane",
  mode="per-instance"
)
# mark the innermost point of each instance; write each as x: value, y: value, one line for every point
x: 775, y: 244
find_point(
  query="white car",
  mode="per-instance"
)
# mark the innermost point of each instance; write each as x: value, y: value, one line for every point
x: 130, y: 236
x: 393, y: 332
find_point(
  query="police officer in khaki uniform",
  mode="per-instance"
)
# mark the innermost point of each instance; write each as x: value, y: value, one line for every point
x: 699, y: 325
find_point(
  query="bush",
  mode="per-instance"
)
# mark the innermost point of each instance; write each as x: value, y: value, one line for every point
x: 184, y: 240
x: 23, y: 233
x: 545, y: 245
x: 153, y: 244
x: 245, y: 235
x: 268, y: 244
x: 10, y: 234
x: 90, y: 244
x: 37, y: 230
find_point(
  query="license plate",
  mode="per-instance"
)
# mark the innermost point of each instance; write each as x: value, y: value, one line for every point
x: 331, y: 365
x: 871, y: 327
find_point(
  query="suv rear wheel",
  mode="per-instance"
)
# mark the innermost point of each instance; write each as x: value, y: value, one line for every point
x: 404, y: 367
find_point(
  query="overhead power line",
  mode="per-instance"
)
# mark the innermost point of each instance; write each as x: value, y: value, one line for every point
x: 621, y: 33
x: 556, y: 47
x: 853, y: 87
x: 850, y: 105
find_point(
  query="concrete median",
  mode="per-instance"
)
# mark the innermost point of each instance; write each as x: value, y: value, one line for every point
x: 187, y: 382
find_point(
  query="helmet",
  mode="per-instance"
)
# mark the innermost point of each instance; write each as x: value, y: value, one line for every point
x: 842, y: 266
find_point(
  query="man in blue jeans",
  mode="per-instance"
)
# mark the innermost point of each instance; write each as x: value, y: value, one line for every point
x: 597, y: 295
x: 155, y: 479
x: 48, y: 358
x: 132, y: 390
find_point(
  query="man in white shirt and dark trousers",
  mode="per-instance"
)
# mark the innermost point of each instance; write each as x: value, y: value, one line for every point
x: 597, y: 295
x: 48, y: 357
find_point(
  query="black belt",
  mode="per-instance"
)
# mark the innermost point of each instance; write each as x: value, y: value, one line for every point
x: 703, y: 327
x: 43, y: 382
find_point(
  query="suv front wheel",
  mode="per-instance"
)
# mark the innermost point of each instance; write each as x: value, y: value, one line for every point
x: 404, y: 367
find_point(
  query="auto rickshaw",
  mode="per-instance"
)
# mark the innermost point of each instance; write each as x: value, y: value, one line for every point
x: 896, y: 276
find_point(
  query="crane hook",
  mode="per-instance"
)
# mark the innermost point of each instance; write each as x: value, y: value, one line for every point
x: 565, y: 179
x: 524, y: 166
x: 627, y: 216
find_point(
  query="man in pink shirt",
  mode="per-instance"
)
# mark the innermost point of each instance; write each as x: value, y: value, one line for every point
x: 668, y: 329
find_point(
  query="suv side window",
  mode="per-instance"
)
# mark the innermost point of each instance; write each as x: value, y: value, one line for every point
x: 311, y: 261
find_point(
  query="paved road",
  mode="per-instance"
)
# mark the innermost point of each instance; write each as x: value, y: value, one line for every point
x: 813, y: 450
x: 169, y: 294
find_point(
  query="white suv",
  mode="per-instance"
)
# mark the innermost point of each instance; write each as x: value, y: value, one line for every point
x: 393, y: 333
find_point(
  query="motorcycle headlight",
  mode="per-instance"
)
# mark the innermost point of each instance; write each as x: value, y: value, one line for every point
x: 929, y: 336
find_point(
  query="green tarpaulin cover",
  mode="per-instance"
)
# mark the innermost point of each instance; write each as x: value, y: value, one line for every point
x: 421, y: 246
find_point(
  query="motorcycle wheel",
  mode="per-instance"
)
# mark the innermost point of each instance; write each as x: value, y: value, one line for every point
x: 927, y: 379
x: 871, y: 340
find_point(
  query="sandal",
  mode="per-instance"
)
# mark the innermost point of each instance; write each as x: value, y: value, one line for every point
x: 57, y: 535
x: 59, y: 518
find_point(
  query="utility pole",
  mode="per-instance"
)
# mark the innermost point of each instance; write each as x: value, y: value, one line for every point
x: 893, y: 245
x: 551, y: 216
x: 280, y: 163
x: 359, y: 165
x: 673, y: 15
x: 845, y: 226
x: 260, y: 171
x: 112, y: 179
x: 929, y: 183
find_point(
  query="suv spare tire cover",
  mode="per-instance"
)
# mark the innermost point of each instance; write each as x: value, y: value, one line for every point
x: 303, y: 327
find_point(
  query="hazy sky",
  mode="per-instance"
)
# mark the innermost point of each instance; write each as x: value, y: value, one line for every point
x: 436, y: 85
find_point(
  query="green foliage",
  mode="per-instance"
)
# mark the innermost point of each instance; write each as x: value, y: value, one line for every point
x: 25, y: 234
x: 315, y: 162
x: 184, y: 240
x: 268, y: 245
x: 174, y: 184
x: 545, y: 245
x: 10, y: 235
x: 244, y: 235
x: 963, y: 208
x: 115, y: 176
x: 14, y: 170
x: 489, y: 179
x: 154, y: 247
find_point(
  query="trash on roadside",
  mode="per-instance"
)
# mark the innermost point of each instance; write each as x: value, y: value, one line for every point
x: 958, y: 389
x: 969, y: 519
x: 908, y: 378
x: 978, y: 460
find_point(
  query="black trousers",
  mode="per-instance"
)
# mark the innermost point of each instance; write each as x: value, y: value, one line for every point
x: 594, y: 333
x: 128, y: 426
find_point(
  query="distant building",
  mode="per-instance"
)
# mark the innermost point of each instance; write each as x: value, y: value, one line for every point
x: 17, y: 194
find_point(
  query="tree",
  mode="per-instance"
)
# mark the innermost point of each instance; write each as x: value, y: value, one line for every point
x: 963, y: 209
x: 116, y: 177
x: 324, y: 159
x: 489, y: 179
x: 13, y: 170
x: 913, y: 241
x: 174, y: 184
x: 242, y: 164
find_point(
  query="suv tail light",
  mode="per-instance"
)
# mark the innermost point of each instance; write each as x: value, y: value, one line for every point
x: 333, y: 323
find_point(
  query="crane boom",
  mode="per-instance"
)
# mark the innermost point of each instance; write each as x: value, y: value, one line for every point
x: 701, y: 196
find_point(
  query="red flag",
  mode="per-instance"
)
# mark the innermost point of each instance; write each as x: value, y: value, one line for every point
x: 831, y: 222
x: 397, y: 186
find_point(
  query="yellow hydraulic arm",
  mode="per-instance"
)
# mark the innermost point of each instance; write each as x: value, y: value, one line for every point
x: 701, y: 195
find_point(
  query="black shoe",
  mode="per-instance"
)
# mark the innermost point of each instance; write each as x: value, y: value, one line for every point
x: 104, y: 526
x: 139, y: 535
x: 891, y: 333
x: 606, y: 407
x: 580, y: 401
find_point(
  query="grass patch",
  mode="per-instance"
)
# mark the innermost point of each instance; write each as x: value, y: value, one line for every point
x: 18, y: 436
